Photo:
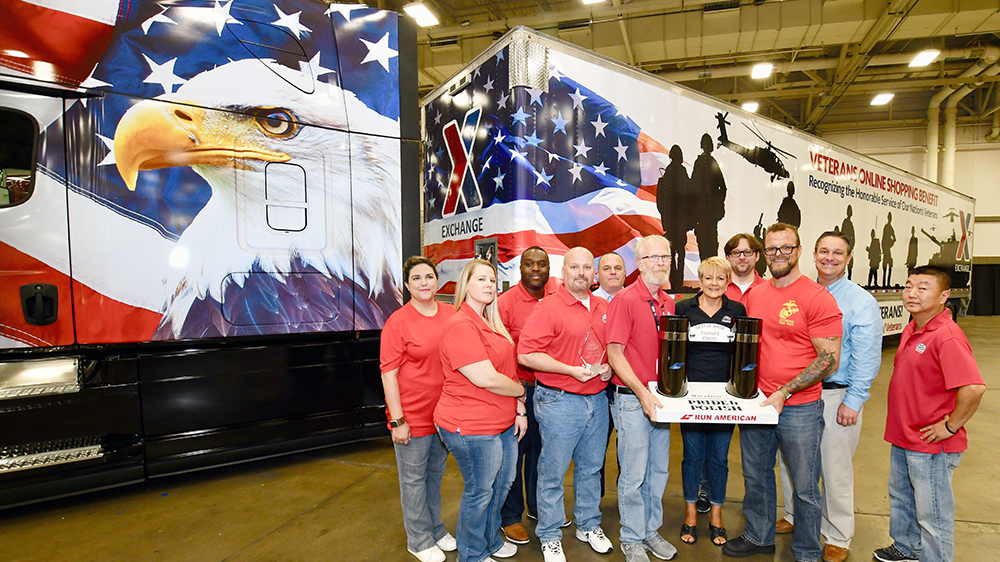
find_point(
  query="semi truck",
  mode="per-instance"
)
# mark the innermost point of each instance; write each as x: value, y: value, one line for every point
x: 540, y: 142
x: 201, y: 232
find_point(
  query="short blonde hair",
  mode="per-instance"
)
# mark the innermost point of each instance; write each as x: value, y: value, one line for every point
x: 490, y: 312
x: 715, y: 263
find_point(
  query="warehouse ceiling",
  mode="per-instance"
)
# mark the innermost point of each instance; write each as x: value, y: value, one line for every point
x: 830, y: 57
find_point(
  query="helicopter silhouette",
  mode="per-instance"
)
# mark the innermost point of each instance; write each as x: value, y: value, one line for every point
x: 767, y: 158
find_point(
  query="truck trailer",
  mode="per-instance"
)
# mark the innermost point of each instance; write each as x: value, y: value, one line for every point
x: 540, y: 142
x: 201, y: 232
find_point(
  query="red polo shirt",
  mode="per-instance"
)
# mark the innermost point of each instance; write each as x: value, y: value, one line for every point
x: 930, y: 366
x: 410, y: 343
x: 558, y: 326
x: 464, y: 407
x: 792, y: 316
x: 631, y: 322
x: 735, y: 294
x: 515, y: 305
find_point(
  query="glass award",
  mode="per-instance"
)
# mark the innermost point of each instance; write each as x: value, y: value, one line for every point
x: 592, y: 352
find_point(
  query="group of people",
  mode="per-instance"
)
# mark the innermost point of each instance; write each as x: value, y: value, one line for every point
x: 518, y: 386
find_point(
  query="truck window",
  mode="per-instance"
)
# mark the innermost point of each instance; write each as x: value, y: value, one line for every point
x: 18, y: 144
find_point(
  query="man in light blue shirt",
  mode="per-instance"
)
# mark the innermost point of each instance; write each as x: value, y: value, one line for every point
x: 844, y: 394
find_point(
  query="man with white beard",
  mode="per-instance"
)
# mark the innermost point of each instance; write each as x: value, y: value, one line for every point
x: 643, y: 445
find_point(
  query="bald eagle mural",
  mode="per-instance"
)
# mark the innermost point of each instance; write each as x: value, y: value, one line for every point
x: 294, y: 235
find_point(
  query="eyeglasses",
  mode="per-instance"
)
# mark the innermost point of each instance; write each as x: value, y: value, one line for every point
x: 741, y: 253
x: 785, y: 250
x: 657, y: 258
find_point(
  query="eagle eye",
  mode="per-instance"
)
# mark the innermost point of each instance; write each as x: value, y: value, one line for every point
x: 276, y: 122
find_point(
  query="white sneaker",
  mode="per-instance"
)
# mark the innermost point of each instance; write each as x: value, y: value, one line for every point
x: 447, y: 543
x: 597, y: 540
x: 506, y: 551
x: 660, y: 547
x: 553, y: 552
x: 432, y: 554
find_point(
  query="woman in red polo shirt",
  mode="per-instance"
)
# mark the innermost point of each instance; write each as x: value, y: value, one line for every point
x: 412, y: 379
x: 481, y: 413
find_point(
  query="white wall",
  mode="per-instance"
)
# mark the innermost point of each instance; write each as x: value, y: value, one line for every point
x: 977, y: 169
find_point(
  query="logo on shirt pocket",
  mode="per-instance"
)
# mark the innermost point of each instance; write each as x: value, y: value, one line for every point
x: 921, y: 347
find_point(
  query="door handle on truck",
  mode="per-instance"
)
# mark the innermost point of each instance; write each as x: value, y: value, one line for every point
x: 40, y: 303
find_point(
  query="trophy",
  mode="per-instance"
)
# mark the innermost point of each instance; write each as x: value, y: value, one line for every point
x: 592, y: 352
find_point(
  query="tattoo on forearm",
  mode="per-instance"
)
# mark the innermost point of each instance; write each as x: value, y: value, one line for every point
x: 813, y: 373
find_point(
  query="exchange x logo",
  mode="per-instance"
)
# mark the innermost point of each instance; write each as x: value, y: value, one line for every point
x: 462, y: 185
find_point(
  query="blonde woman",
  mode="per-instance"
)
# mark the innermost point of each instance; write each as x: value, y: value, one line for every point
x: 481, y: 414
x: 706, y: 446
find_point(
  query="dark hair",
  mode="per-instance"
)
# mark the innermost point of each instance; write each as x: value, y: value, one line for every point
x: 779, y: 226
x: 610, y: 254
x: 539, y: 248
x: 415, y: 261
x: 835, y: 234
x: 941, y: 274
x: 752, y: 241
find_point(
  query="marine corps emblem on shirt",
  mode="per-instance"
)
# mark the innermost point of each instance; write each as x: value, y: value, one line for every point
x: 785, y: 316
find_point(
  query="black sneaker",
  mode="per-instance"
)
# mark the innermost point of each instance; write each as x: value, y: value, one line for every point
x: 741, y: 548
x: 703, y: 505
x: 892, y: 554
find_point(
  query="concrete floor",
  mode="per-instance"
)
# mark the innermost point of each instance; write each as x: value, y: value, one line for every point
x: 342, y: 503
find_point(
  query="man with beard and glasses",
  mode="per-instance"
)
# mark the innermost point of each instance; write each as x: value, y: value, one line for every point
x: 564, y: 342
x: 643, y: 445
x: 799, y: 347
x: 515, y: 305
x: 742, y: 251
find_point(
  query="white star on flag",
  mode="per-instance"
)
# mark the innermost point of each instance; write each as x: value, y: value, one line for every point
x: 499, y: 138
x: 219, y: 15
x: 542, y: 177
x: 577, y: 99
x: 291, y: 21
x: 437, y: 118
x: 158, y: 18
x: 536, y: 96
x: 315, y: 67
x: 344, y: 9
x: 489, y: 162
x: 499, y: 180
x: 560, y: 124
x: 380, y: 51
x: 110, y: 145
x: 519, y: 154
x: 554, y: 73
x: 620, y: 183
x: 533, y: 140
x: 503, y: 100
x: 620, y: 149
x: 553, y: 156
x: 599, y: 126
x: 90, y: 82
x: 488, y: 86
x: 163, y: 74
x: 575, y: 172
x: 581, y: 148
x: 521, y: 117
x: 601, y: 169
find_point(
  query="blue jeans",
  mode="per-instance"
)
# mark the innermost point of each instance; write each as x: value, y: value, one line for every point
x: 487, y: 466
x: 421, y: 466
x: 573, y: 427
x: 524, y: 490
x: 921, y: 504
x: 706, y: 451
x: 799, y: 432
x: 644, y: 456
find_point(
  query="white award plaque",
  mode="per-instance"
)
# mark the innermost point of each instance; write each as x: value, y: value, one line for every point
x: 708, y: 402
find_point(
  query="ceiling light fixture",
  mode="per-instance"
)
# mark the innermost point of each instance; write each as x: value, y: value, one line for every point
x: 882, y: 99
x: 419, y: 12
x: 588, y: 2
x: 924, y: 58
x: 751, y: 106
x: 762, y: 70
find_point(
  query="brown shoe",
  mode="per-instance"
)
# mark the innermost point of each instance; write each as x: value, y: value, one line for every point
x: 783, y: 527
x: 832, y: 553
x: 515, y: 533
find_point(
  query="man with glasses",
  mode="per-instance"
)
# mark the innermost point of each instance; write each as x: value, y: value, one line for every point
x: 844, y: 395
x: 643, y: 445
x: 799, y: 347
x: 742, y: 251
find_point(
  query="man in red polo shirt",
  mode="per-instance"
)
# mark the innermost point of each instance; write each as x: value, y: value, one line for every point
x: 643, y: 445
x: 742, y: 251
x: 799, y: 346
x: 563, y: 341
x: 515, y: 305
x: 935, y: 389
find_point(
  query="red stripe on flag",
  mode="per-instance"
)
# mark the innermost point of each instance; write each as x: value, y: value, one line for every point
x: 105, y: 320
x: 20, y: 269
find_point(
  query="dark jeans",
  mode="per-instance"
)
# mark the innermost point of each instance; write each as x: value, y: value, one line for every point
x: 528, y: 450
x: 706, y: 450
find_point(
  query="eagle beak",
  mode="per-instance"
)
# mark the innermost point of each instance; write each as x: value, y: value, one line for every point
x: 158, y: 134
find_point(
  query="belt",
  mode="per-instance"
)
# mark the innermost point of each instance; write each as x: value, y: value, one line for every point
x: 527, y: 383
x: 834, y: 385
x: 623, y: 390
x: 543, y: 385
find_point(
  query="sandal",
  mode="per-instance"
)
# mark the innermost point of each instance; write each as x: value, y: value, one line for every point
x: 718, y: 533
x: 689, y: 531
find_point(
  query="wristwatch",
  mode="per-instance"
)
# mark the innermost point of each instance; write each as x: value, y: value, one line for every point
x: 784, y: 391
x: 397, y: 422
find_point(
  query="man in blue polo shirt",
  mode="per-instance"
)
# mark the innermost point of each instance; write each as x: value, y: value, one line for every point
x: 844, y: 395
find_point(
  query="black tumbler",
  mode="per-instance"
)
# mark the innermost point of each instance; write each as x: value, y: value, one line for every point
x: 743, y: 358
x: 673, y: 381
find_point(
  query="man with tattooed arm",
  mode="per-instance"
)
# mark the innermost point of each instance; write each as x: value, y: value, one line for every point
x: 799, y: 347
